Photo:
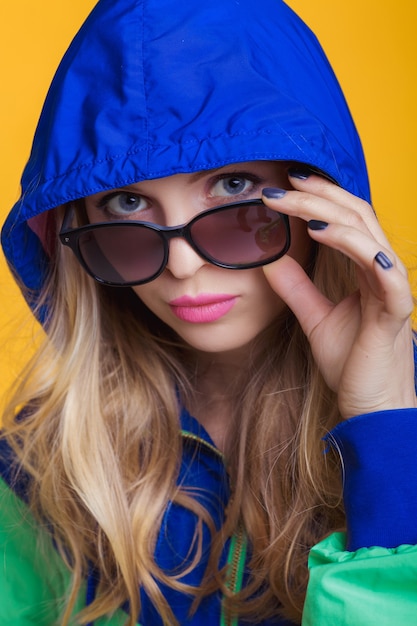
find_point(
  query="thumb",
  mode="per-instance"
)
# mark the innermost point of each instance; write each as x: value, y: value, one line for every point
x: 290, y: 282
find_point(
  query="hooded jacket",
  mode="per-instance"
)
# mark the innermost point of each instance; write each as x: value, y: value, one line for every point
x: 151, y: 88
x: 158, y: 87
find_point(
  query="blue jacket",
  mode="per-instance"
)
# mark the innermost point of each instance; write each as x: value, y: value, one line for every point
x: 150, y: 88
x: 132, y: 100
x: 379, y: 463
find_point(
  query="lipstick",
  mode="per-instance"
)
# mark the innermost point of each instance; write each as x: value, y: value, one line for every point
x: 203, y: 308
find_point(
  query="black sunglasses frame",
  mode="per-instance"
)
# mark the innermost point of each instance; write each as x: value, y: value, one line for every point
x: 70, y: 237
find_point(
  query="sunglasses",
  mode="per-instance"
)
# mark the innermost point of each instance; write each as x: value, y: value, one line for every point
x: 237, y: 236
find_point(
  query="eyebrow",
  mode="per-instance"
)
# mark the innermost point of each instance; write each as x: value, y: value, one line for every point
x: 194, y: 177
x: 197, y: 175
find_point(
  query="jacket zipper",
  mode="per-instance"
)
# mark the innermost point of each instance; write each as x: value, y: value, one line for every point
x: 187, y: 435
x: 236, y: 564
x: 237, y: 552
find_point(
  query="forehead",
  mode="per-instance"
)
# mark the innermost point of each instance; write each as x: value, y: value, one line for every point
x: 264, y: 169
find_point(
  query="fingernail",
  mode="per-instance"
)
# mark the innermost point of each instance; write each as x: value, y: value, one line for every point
x: 273, y: 192
x: 300, y: 173
x: 317, y: 225
x: 383, y: 261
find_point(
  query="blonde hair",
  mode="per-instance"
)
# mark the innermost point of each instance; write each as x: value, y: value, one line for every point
x: 100, y: 435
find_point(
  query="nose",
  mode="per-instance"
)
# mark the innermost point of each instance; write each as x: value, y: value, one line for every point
x: 183, y: 261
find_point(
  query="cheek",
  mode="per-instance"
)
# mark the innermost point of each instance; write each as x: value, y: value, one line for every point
x: 145, y: 291
x: 301, y: 244
x: 146, y: 294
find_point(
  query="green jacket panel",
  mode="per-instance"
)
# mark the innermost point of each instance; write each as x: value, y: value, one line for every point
x: 33, y: 577
x: 370, y: 587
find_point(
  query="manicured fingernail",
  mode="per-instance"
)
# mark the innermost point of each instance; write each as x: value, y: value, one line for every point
x: 300, y: 173
x: 383, y: 261
x: 274, y: 193
x: 317, y: 225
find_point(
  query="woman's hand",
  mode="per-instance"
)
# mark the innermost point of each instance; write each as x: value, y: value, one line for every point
x: 363, y: 344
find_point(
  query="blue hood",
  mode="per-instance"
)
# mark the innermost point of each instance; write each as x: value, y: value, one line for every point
x: 150, y: 88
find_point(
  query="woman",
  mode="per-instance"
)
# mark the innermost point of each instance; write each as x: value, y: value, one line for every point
x: 271, y: 321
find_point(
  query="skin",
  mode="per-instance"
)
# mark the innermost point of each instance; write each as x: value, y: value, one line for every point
x: 363, y: 345
x: 220, y: 347
x: 175, y: 200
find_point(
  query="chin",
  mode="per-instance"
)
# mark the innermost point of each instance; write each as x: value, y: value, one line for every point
x: 221, y: 344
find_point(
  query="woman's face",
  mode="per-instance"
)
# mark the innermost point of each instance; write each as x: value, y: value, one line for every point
x: 212, y: 309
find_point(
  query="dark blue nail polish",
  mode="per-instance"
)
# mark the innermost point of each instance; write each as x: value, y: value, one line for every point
x: 383, y: 261
x: 273, y: 193
x: 317, y: 225
x: 300, y: 173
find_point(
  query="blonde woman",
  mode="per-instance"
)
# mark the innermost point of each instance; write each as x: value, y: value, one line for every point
x: 227, y: 373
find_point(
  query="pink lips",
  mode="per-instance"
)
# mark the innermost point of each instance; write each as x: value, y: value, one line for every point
x: 202, y: 309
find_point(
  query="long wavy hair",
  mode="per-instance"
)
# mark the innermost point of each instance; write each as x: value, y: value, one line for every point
x: 99, y: 433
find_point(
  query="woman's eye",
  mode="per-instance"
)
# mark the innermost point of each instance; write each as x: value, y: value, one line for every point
x: 123, y: 203
x: 231, y: 186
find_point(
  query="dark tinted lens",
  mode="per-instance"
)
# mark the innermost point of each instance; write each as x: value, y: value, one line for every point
x: 240, y: 235
x: 121, y: 253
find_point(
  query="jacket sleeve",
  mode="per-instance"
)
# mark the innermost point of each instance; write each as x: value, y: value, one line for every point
x: 31, y: 579
x: 368, y: 575
x: 367, y: 587
x: 34, y: 580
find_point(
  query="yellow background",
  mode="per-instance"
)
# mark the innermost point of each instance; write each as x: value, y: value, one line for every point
x: 371, y: 45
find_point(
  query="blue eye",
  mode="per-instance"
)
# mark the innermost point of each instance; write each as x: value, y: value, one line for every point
x: 231, y: 185
x: 123, y: 203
